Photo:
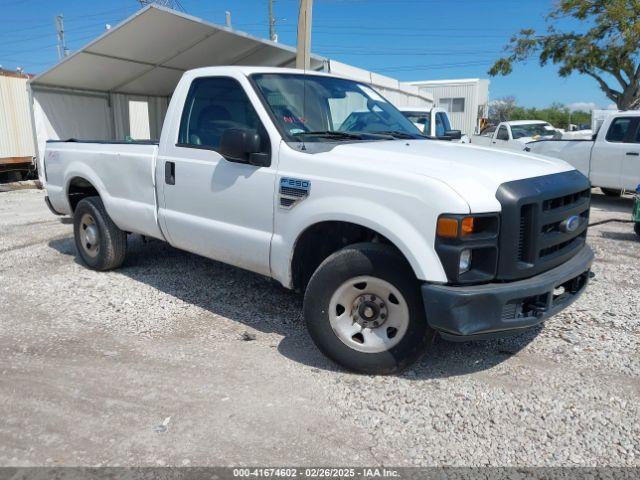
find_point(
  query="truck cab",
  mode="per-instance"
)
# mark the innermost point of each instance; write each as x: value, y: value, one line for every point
x: 610, y: 159
x: 514, y: 135
x: 392, y: 237
x: 434, y: 122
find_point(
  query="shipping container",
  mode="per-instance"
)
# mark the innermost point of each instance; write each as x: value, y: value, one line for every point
x: 17, y: 148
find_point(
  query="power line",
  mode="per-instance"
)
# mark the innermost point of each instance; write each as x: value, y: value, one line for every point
x: 71, y: 19
x: 42, y: 47
x: 405, y: 68
x: 84, y: 28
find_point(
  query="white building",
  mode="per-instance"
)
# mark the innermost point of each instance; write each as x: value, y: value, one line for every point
x: 466, y: 100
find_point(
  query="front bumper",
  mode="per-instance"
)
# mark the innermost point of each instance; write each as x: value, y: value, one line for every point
x: 489, y: 310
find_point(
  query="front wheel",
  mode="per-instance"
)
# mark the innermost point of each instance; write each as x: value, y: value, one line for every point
x: 363, y: 309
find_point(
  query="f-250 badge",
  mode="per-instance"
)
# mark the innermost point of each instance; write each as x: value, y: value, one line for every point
x: 292, y: 191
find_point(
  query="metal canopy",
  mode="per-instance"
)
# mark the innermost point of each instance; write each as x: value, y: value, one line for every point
x: 147, y: 53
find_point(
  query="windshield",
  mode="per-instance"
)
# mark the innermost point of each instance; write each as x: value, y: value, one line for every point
x: 531, y: 130
x: 317, y: 108
x: 422, y: 120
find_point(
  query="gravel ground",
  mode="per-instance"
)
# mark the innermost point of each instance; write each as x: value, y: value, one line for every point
x: 178, y: 360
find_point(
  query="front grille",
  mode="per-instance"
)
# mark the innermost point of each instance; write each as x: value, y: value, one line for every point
x: 565, y: 200
x: 544, y: 223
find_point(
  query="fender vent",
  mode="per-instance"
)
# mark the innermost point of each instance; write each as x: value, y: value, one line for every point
x: 292, y: 191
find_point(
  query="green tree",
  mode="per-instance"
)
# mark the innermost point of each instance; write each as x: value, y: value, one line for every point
x: 558, y: 115
x: 608, y: 51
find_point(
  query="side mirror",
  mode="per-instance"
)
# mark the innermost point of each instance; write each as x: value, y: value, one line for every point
x: 452, y: 134
x: 242, y: 146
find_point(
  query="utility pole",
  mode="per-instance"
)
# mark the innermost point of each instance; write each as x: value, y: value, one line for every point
x: 303, y: 56
x: 273, y: 36
x: 63, y: 51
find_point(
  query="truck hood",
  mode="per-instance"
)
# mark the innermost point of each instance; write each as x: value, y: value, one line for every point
x: 475, y: 173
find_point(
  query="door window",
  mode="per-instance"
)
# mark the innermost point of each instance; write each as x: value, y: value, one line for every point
x: 420, y: 118
x: 620, y: 129
x: 488, y: 131
x: 502, y: 133
x: 213, y: 105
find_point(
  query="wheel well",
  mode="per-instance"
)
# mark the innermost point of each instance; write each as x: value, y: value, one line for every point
x: 320, y: 240
x: 80, y: 188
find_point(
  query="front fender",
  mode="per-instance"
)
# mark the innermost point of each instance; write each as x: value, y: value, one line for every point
x: 417, y: 247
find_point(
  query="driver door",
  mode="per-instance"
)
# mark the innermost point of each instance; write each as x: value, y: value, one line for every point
x: 610, y: 155
x: 211, y: 206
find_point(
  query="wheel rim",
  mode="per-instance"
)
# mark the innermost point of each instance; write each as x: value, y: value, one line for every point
x: 368, y: 314
x: 89, y: 235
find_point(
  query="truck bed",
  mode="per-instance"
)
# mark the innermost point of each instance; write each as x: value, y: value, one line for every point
x: 576, y: 152
x: 122, y: 172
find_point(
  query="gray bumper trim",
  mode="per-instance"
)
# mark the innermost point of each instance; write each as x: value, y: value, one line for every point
x: 477, y: 312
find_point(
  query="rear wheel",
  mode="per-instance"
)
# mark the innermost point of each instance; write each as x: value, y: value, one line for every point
x: 100, y: 243
x: 611, y: 192
x: 364, y: 310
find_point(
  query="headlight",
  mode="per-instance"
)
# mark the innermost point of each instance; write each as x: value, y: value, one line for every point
x: 468, y: 246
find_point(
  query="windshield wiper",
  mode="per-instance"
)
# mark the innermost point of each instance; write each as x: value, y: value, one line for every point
x: 331, y: 134
x: 395, y: 134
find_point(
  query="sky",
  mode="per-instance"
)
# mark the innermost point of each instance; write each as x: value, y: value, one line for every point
x: 404, y: 39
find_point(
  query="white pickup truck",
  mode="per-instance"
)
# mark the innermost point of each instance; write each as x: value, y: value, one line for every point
x: 391, y: 235
x: 514, y: 135
x: 433, y: 122
x: 611, y: 159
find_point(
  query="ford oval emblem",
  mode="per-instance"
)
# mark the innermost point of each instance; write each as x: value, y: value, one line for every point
x: 571, y: 224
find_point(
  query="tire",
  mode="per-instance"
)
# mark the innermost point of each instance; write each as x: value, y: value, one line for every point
x: 611, y: 192
x: 100, y: 243
x: 367, y: 275
x: 636, y: 228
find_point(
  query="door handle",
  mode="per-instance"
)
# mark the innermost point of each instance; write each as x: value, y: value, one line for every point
x: 170, y: 173
x: 633, y: 154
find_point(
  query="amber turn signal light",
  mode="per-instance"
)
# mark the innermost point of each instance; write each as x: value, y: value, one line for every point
x: 467, y: 226
x: 447, y: 227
